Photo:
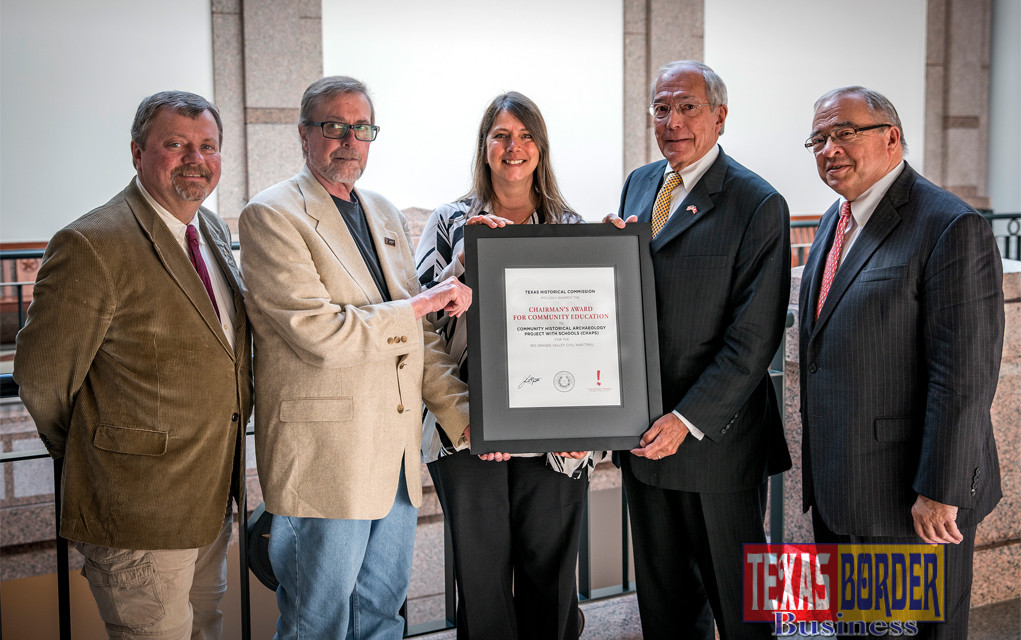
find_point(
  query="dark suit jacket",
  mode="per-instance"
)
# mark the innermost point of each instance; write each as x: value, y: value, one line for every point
x: 124, y: 367
x: 898, y: 374
x: 722, y: 286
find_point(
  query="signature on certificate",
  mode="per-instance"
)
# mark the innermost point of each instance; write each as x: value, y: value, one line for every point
x: 528, y: 380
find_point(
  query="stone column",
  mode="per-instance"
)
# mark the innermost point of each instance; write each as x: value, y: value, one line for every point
x: 956, y: 143
x: 265, y: 53
x: 655, y: 32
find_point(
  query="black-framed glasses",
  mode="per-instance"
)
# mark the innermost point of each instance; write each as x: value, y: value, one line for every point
x: 338, y: 130
x: 840, y: 135
x: 661, y: 110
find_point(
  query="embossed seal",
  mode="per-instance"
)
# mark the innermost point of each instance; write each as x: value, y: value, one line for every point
x: 563, y: 381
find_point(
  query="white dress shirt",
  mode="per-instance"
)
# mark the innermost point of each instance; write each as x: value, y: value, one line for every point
x: 864, y: 206
x: 224, y: 299
x: 690, y: 175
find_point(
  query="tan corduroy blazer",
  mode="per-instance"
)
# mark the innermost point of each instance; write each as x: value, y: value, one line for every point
x: 340, y: 374
x: 124, y: 367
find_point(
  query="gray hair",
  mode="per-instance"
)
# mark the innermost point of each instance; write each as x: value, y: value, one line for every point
x: 715, y: 88
x: 877, y: 103
x: 180, y: 102
x: 329, y: 87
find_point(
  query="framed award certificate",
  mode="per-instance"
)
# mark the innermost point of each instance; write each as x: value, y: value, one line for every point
x: 562, y: 341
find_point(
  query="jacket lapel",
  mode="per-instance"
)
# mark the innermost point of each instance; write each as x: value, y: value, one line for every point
x: 696, y: 205
x: 175, y: 260
x: 333, y: 230
x: 222, y: 250
x: 649, y: 188
x: 811, y: 275
x: 386, y: 237
x: 884, y: 220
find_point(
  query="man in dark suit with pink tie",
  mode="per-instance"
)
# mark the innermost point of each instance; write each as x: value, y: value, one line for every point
x: 901, y: 330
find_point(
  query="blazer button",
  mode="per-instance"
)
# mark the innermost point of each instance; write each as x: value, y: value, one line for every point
x: 389, y: 340
x: 404, y: 338
x: 400, y: 408
x: 234, y: 417
x: 812, y: 368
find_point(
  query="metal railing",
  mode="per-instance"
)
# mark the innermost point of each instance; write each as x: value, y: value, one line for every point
x: 1006, y: 231
x: 585, y: 591
x: 9, y: 389
x: 1009, y: 241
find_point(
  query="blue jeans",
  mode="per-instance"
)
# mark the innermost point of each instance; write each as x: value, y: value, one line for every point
x: 344, y: 579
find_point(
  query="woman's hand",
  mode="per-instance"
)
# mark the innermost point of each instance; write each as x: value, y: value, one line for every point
x: 576, y: 455
x: 495, y: 457
x: 488, y: 219
x: 492, y: 221
x: 489, y: 457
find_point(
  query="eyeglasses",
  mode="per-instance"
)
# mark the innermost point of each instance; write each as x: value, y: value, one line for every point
x: 661, y: 110
x: 338, y: 130
x: 840, y: 135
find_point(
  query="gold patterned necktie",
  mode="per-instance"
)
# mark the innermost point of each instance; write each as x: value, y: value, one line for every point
x: 661, y: 210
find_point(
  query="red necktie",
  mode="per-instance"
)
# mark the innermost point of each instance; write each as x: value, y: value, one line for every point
x: 200, y: 265
x: 833, y: 259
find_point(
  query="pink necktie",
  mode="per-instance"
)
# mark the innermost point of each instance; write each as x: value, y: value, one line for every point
x: 833, y: 259
x: 200, y: 265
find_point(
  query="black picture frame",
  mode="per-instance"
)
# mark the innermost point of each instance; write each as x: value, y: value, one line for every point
x: 495, y: 426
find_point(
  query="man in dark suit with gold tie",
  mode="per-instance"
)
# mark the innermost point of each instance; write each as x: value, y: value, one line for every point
x: 901, y: 330
x: 696, y: 485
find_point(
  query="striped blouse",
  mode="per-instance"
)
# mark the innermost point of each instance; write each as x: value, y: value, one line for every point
x: 436, y: 258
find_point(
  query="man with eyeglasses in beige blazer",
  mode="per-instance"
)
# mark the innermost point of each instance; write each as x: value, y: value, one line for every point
x: 343, y: 362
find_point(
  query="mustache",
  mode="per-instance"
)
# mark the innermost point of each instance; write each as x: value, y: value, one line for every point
x: 345, y: 154
x: 192, y: 172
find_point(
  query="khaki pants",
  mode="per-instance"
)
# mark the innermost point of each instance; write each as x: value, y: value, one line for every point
x: 170, y: 594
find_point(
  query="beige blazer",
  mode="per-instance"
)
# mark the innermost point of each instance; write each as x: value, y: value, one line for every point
x: 340, y: 374
x: 129, y: 378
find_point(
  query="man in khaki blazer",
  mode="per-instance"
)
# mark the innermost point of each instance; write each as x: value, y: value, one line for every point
x: 138, y: 376
x: 343, y: 362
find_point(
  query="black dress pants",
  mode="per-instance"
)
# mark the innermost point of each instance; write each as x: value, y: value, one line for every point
x: 689, y: 559
x: 957, y: 576
x: 515, y: 530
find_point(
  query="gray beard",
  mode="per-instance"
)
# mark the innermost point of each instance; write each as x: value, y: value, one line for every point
x: 345, y: 174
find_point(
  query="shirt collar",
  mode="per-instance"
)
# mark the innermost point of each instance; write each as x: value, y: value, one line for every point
x: 692, y: 173
x: 177, y: 228
x: 864, y: 205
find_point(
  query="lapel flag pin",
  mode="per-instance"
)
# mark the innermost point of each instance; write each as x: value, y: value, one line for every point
x: 390, y: 242
x: 693, y: 209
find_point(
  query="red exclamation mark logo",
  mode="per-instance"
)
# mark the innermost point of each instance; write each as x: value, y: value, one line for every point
x: 598, y: 383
